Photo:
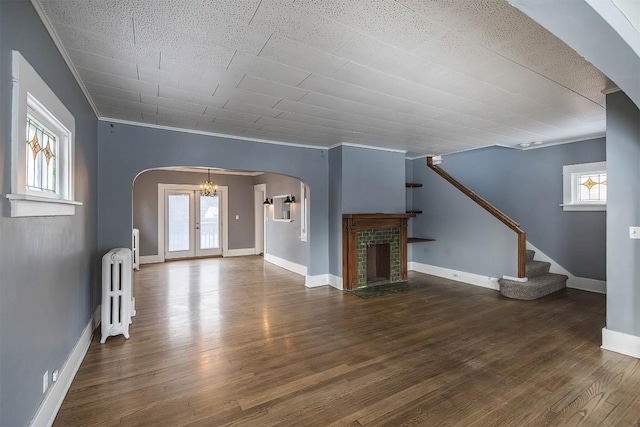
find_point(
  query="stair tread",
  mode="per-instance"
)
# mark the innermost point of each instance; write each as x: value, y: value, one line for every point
x: 541, y: 280
x: 544, y: 279
x: 533, y: 262
x: 536, y: 268
x: 535, y: 287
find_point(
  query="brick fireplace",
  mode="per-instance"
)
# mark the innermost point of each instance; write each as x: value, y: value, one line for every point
x: 374, y: 249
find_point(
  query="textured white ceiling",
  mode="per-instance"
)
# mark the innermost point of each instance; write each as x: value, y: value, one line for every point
x: 428, y: 77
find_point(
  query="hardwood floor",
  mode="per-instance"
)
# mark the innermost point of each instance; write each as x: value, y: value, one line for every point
x: 235, y: 341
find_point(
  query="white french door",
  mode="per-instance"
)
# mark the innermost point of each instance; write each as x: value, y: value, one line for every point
x: 193, y: 224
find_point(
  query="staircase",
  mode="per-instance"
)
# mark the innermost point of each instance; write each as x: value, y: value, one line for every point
x: 540, y: 282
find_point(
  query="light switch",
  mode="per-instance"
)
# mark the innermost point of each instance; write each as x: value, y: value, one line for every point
x: 237, y: 216
x: 634, y: 232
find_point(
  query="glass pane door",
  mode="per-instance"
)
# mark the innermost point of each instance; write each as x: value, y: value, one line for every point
x: 208, y: 224
x: 179, y: 241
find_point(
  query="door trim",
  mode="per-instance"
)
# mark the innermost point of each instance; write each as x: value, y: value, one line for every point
x: 224, y: 193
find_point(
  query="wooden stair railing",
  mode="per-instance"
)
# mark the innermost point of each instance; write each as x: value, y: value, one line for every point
x: 501, y: 216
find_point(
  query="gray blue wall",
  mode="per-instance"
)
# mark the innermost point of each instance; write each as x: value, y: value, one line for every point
x: 145, y: 205
x: 623, y: 210
x: 283, y: 238
x: 527, y: 186
x: 335, y: 211
x: 373, y: 181
x: 48, y: 264
x: 468, y: 238
x: 127, y: 150
x: 362, y: 180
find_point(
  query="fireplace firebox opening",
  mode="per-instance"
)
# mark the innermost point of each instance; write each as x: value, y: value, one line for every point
x: 378, y: 263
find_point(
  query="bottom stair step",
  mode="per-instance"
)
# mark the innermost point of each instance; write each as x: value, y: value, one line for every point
x: 535, y: 287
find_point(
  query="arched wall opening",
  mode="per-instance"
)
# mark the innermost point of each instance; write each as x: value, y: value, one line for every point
x: 247, y: 225
x: 127, y: 150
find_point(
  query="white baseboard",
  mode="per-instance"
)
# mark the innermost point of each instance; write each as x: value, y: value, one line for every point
x: 584, y: 284
x: 460, y: 276
x: 336, y: 281
x: 621, y: 342
x: 323, y: 280
x: 97, y: 318
x: 317, y: 280
x: 240, y: 252
x: 574, y: 282
x: 151, y: 259
x: 288, y: 265
x: 46, y: 413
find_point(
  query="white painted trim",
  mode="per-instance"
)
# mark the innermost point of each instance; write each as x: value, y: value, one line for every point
x: 97, y: 317
x: 546, y: 144
x: 287, y: 265
x: 202, y: 132
x: 368, y: 147
x: 206, y: 170
x: 610, y: 90
x: 46, y: 413
x: 585, y: 284
x: 582, y: 283
x: 335, y: 281
x: 239, y: 252
x: 317, y: 280
x: 56, y: 40
x: 570, y: 173
x: 224, y: 191
x: 27, y: 205
x: 578, y: 207
x: 460, y: 276
x: 620, y: 343
x: 151, y: 259
x: 323, y: 280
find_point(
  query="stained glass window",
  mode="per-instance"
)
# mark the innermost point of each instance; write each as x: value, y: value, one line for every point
x: 41, y: 161
x: 592, y: 187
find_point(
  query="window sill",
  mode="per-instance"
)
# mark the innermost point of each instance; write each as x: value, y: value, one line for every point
x: 589, y: 207
x: 282, y: 220
x: 23, y: 205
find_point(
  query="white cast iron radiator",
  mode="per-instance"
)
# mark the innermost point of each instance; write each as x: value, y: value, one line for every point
x: 118, y: 304
x: 135, y: 248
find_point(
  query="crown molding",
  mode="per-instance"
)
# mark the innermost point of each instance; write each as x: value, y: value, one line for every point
x: 610, y: 90
x: 65, y: 55
x: 368, y: 147
x: 202, y: 132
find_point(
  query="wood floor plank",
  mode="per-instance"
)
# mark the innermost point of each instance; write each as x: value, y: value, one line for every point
x: 240, y: 342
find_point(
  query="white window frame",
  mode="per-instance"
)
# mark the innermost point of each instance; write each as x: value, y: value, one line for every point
x: 570, y: 174
x: 31, y: 95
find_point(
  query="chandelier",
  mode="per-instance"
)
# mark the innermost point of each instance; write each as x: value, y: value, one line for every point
x: 207, y: 188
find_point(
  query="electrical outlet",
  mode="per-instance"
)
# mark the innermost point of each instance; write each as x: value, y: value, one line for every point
x: 45, y: 382
x: 54, y: 376
x: 634, y: 232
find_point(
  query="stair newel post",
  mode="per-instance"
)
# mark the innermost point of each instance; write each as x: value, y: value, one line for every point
x: 522, y: 254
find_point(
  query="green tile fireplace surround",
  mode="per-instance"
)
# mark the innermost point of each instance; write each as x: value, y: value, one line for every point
x: 362, y: 231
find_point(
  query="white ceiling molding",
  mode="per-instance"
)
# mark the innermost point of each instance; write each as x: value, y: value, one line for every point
x: 220, y: 135
x: 206, y: 170
x: 56, y: 40
x: 368, y: 147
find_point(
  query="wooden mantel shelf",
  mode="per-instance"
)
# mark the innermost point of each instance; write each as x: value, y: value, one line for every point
x: 377, y: 216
